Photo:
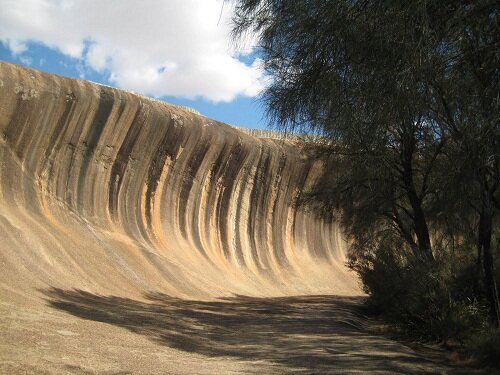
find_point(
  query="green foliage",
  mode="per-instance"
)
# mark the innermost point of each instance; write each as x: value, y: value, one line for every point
x: 408, y: 94
x: 430, y: 301
x: 485, y: 346
x: 405, y: 89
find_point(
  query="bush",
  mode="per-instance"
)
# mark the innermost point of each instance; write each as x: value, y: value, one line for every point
x: 428, y: 301
x: 485, y: 346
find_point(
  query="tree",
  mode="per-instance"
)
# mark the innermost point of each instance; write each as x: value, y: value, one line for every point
x: 399, y: 86
x: 465, y: 98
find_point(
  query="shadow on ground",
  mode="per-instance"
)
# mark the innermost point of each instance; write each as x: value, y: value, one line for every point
x: 302, y: 335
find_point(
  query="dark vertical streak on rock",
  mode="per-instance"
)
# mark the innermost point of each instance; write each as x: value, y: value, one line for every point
x: 258, y: 199
x: 122, y: 158
x: 59, y: 131
x: 168, y: 147
x: 238, y: 251
x: 301, y: 180
x: 222, y: 220
x: 19, y: 120
x: 236, y: 156
x: 277, y: 212
x: 58, y: 135
x: 121, y: 108
x: 215, y: 173
x: 106, y: 102
x: 192, y: 167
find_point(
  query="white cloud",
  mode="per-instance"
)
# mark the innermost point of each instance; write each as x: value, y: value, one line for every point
x: 157, y: 47
x: 26, y: 60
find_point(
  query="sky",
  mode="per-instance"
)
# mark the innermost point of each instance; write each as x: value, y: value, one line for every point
x: 179, y: 51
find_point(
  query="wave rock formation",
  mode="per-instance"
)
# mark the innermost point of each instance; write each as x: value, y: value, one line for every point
x: 111, y: 192
x: 137, y: 237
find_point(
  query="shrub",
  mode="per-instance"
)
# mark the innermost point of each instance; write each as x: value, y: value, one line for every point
x: 429, y: 301
x: 485, y: 346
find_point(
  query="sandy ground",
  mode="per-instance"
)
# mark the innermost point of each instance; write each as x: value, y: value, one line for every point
x: 77, y: 332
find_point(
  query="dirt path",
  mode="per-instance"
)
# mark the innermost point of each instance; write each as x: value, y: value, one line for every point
x: 77, y: 332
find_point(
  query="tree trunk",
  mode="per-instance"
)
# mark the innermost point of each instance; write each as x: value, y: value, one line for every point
x: 421, y: 228
x: 484, y: 239
x: 479, y: 262
x: 419, y: 220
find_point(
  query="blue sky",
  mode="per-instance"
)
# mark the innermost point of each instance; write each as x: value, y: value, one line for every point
x: 176, y: 50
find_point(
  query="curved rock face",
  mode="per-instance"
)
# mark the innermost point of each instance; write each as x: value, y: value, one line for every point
x: 104, y: 190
